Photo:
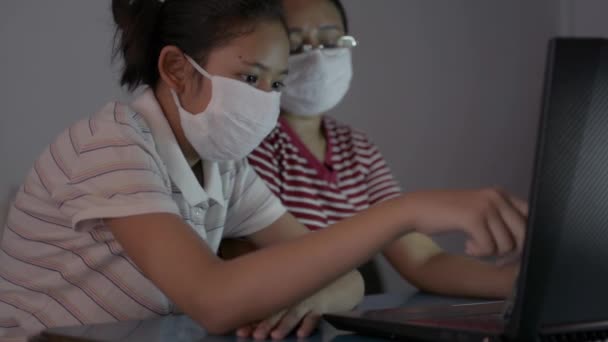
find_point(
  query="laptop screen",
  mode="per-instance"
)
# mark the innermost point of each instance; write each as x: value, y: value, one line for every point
x: 567, y: 264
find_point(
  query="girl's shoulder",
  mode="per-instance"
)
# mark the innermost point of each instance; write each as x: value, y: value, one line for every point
x: 113, y: 135
x: 115, y: 125
x: 117, y: 119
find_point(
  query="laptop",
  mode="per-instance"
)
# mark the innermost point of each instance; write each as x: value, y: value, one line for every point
x: 562, y: 290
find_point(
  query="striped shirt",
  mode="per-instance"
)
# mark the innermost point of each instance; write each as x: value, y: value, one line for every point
x: 353, y: 177
x: 59, y: 263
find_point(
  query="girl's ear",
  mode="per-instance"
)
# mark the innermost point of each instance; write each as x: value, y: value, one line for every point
x: 173, y: 67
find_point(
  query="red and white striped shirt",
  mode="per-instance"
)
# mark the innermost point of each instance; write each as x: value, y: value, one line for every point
x: 353, y: 177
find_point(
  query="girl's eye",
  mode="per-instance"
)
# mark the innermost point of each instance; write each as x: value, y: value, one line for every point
x: 250, y: 79
x: 278, y: 86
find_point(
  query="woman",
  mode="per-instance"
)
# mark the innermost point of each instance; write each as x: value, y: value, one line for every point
x: 121, y: 216
x: 324, y: 171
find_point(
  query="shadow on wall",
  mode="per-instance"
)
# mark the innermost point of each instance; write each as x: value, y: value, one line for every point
x: 4, y: 205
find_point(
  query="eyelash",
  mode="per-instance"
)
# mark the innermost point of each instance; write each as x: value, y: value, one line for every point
x: 278, y: 86
x: 253, y: 80
x: 248, y: 79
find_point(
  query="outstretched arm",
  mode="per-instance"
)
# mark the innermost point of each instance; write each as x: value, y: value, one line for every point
x: 425, y: 265
x: 224, y: 295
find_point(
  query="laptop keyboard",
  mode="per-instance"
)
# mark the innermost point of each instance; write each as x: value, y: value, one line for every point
x: 490, y: 322
x: 440, y: 311
x: 597, y: 336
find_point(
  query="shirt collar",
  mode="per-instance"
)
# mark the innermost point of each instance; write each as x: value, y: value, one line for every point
x: 167, y: 147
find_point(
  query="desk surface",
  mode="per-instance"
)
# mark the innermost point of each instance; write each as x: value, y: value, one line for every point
x: 181, y: 328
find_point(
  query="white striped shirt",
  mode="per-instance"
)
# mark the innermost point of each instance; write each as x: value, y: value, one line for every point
x: 353, y: 176
x: 60, y: 265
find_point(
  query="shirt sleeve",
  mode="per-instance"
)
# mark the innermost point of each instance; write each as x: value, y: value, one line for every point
x: 101, y: 168
x: 252, y: 206
x: 381, y: 184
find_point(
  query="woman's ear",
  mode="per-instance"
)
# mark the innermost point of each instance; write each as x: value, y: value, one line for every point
x: 172, y: 67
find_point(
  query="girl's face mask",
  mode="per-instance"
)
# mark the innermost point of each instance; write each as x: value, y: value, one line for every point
x: 236, y: 120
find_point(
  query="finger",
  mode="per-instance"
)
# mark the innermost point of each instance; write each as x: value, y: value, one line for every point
x: 472, y: 249
x: 468, y: 247
x: 309, y: 324
x: 510, y: 209
x: 521, y: 205
x: 263, y: 329
x: 245, y: 331
x: 513, y: 258
x: 480, y: 236
x: 503, y: 240
x: 287, y: 324
x: 517, y: 221
x: 475, y: 250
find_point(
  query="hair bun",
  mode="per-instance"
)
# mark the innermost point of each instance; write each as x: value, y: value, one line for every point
x: 121, y: 12
x: 136, y: 22
x: 125, y: 12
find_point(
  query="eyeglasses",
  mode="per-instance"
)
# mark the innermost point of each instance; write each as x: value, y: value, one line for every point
x: 298, y: 46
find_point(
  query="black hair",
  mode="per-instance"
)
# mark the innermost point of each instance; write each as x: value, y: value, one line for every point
x: 144, y: 27
x: 342, y: 11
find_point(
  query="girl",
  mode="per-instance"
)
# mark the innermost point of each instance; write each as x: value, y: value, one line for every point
x: 121, y: 216
x: 324, y: 171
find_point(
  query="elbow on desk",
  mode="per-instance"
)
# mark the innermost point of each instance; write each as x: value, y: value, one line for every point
x: 218, y: 327
x: 215, y: 316
x: 217, y: 323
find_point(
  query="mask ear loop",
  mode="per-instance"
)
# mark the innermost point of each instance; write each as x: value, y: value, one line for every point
x: 198, y: 67
x: 176, y: 99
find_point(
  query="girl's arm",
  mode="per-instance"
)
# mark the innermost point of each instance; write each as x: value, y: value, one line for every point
x: 224, y: 295
x: 341, y: 295
x: 424, y: 264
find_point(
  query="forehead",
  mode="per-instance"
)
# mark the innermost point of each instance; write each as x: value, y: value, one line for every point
x: 267, y: 44
x: 307, y: 14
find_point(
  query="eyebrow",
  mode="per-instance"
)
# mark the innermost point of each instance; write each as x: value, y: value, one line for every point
x: 329, y: 27
x: 262, y: 66
x: 322, y: 28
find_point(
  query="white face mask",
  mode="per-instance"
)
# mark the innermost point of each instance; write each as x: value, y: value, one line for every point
x: 317, y: 81
x: 237, y: 118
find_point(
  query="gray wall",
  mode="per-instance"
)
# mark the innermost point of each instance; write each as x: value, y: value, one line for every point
x: 584, y: 18
x: 55, y: 68
x: 449, y: 90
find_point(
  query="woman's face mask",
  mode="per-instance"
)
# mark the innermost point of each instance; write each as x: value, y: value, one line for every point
x: 237, y: 118
x: 317, y: 81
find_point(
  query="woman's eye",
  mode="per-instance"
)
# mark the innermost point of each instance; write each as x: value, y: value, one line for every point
x: 250, y: 79
x: 278, y: 86
x: 329, y: 43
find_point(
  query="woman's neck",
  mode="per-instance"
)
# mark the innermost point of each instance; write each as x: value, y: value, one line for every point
x: 307, y: 127
x: 310, y: 131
